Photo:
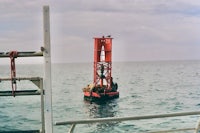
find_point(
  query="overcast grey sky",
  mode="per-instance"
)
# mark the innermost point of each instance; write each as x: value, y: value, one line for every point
x: 142, y: 29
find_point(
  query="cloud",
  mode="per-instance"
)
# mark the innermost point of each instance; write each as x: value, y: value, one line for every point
x: 142, y: 30
x: 179, y: 7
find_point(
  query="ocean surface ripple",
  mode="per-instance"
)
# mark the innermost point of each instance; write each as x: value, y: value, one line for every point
x: 146, y: 88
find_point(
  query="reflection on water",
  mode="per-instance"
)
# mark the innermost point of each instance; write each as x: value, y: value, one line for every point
x: 102, y: 110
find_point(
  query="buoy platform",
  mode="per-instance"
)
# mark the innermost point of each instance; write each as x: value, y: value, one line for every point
x: 92, y: 93
x: 100, y: 96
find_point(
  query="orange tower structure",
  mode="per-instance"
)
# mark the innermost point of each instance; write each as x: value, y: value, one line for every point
x: 102, y: 62
x: 103, y: 86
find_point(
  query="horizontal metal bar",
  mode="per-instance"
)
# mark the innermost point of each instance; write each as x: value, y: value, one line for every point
x: 86, y: 121
x: 27, y: 131
x: 20, y: 93
x: 22, y: 78
x: 22, y: 54
x: 173, y: 130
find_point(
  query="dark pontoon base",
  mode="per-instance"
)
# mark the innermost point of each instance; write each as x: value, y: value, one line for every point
x: 102, y: 98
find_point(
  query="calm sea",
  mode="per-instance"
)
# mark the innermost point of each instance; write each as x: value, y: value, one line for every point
x: 145, y: 88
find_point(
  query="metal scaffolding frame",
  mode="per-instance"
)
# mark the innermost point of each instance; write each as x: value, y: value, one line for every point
x: 44, y: 84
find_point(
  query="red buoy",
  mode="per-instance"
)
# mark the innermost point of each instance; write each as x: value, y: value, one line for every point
x: 103, y: 87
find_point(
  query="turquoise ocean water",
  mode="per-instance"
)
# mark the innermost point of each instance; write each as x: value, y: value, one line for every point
x: 145, y: 88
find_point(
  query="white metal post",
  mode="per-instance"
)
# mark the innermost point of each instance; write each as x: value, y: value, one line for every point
x: 47, y: 73
x: 197, y: 127
x: 42, y: 106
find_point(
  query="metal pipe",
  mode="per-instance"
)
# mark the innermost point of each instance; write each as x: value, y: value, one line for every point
x: 24, y: 131
x: 21, y: 78
x: 71, y: 130
x: 20, y: 93
x: 173, y: 130
x: 42, y: 106
x: 197, y: 127
x: 127, y: 118
x: 22, y: 54
x: 47, y: 71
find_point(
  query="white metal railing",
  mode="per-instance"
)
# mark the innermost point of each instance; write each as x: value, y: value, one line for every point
x: 119, y: 119
x: 174, y: 130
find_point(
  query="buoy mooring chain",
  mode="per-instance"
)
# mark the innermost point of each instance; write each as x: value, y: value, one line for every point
x: 13, y: 55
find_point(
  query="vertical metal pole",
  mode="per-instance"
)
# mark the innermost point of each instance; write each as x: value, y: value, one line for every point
x: 197, y: 127
x: 47, y: 73
x: 42, y: 105
x: 71, y: 130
